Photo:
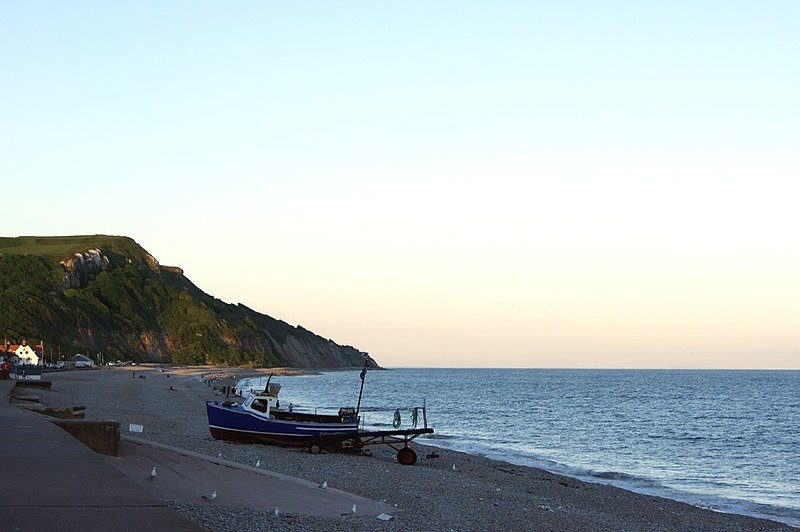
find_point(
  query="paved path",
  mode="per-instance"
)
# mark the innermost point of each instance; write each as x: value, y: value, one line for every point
x: 51, y: 481
x: 187, y: 476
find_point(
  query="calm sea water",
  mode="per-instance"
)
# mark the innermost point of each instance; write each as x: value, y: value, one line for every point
x: 727, y: 440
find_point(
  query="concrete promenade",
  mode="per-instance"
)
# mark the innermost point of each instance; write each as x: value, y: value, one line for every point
x: 51, y: 481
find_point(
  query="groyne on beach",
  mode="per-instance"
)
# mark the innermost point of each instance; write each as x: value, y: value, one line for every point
x: 449, y: 490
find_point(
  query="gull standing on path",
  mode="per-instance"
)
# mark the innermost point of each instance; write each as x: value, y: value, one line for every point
x: 212, y: 496
x: 153, y: 473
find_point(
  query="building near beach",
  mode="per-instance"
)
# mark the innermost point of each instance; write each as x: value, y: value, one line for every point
x: 80, y: 361
x: 26, y: 354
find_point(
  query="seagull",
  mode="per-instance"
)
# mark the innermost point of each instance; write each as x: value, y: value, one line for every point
x: 211, y: 497
x: 454, y: 467
x: 258, y: 463
x: 277, y: 510
x: 153, y: 473
x: 219, y: 455
x: 324, y: 484
x: 354, y: 508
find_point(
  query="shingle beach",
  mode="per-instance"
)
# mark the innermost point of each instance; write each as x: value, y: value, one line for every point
x: 453, y: 491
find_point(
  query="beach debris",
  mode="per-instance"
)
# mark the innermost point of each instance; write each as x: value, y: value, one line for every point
x: 211, y: 496
x: 384, y: 517
x: 432, y: 454
x: 258, y: 463
x: 153, y: 473
x: 219, y: 455
x: 324, y: 484
x: 454, y: 468
x: 276, y: 511
x: 134, y: 427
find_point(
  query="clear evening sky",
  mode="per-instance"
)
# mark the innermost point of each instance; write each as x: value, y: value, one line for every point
x: 517, y: 184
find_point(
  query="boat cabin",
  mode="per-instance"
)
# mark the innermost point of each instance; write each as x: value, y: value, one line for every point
x: 267, y: 404
x: 261, y: 403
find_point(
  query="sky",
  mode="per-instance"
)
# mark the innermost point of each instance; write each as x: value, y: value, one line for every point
x: 452, y: 184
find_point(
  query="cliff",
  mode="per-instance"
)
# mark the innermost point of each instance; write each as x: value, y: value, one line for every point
x: 106, y: 294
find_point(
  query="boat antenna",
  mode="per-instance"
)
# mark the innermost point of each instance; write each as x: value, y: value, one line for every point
x: 266, y: 386
x: 363, y: 374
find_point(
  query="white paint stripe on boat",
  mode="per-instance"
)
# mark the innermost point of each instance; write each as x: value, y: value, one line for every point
x: 280, y: 433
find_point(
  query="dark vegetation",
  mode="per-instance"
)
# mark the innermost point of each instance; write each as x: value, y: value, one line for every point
x: 129, y: 307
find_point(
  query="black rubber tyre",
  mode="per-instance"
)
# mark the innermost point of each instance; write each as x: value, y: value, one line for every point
x: 406, y: 456
x: 315, y: 448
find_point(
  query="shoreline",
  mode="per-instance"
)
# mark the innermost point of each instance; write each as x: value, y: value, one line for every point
x: 455, y: 490
x: 639, y: 483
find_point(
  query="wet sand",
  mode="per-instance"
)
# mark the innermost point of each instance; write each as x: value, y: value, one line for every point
x: 454, y: 491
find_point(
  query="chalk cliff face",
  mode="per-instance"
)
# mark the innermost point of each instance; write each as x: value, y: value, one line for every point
x: 111, y: 296
x: 78, y: 268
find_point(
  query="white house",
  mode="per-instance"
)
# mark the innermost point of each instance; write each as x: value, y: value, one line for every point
x: 26, y: 354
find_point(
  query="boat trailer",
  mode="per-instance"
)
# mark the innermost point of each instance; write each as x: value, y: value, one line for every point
x: 355, y: 443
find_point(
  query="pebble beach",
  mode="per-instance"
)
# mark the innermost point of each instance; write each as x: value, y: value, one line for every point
x: 445, y: 490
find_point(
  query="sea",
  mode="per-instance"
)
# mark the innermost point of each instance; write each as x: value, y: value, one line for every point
x: 724, y: 440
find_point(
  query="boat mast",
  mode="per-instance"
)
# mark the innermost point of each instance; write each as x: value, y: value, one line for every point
x: 363, y: 374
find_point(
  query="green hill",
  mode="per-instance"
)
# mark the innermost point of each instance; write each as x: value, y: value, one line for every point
x: 90, y: 294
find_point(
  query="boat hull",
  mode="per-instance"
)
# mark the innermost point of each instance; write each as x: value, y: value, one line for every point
x: 231, y: 422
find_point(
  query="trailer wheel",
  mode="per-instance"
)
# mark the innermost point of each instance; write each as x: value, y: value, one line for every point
x: 406, y: 456
x: 315, y: 448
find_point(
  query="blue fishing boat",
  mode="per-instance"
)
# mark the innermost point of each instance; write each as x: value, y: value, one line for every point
x: 260, y: 419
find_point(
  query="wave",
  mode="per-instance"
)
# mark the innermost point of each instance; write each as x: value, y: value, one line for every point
x: 440, y: 436
x: 626, y: 478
